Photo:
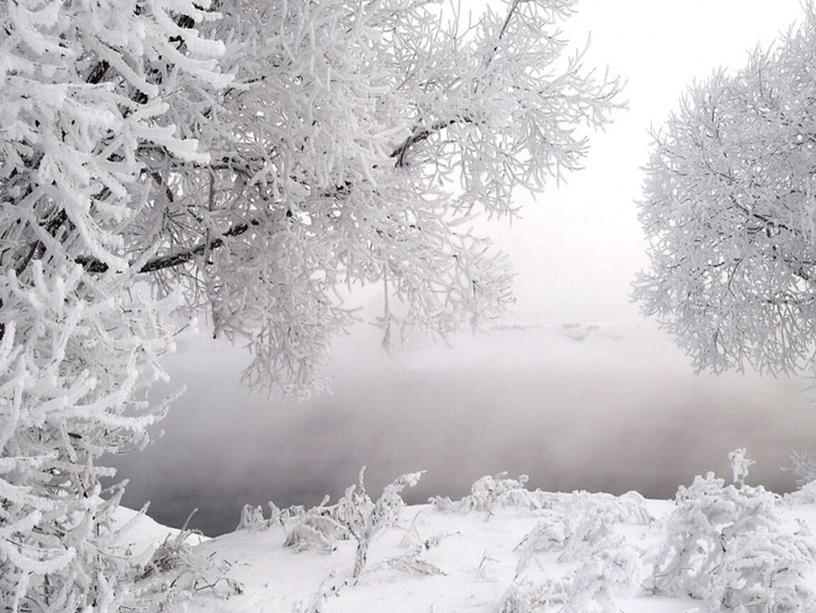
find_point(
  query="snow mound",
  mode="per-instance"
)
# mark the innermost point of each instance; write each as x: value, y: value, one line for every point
x: 141, y: 533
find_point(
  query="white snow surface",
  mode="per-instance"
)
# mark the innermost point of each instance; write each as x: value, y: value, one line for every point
x: 142, y: 534
x: 478, y: 554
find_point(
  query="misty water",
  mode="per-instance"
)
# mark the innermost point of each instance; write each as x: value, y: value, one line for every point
x: 609, y: 408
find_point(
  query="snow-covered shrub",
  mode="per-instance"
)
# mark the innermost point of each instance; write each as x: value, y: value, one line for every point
x: 587, y: 533
x: 312, y: 529
x: 412, y: 562
x: 525, y: 596
x: 176, y: 572
x: 490, y: 493
x: 725, y: 544
x: 602, y: 577
x: 629, y: 508
x: 765, y: 570
x: 578, y: 525
x: 364, y: 518
x: 38, y: 569
x: 803, y: 467
x: 549, y: 534
x: 329, y: 587
x: 60, y: 411
x: 483, y: 572
x: 355, y: 516
x: 740, y: 465
x: 412, y: 537
x: 806, y: 494
x: 708, y: 515
x: 252, y: 518
x: 316, y: 529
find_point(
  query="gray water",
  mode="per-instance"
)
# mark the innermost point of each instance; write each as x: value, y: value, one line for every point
x: 615, y: 411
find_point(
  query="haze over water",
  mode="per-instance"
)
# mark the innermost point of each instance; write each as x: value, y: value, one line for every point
x: 618, y: 410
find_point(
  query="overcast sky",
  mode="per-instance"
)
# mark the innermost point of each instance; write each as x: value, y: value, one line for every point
x: 617, y: 410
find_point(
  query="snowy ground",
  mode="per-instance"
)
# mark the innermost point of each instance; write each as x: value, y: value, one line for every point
x: 477, y: 557
x: 144, y: 533
x: 529, y: 551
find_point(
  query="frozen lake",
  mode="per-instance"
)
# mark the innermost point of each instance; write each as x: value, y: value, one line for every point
x: 611, y: 408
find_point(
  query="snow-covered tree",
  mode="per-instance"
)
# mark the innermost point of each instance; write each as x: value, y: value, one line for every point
x: 159, y: 158
x: 84, y: 90
x: 730, y: 216
x: 346, y: 160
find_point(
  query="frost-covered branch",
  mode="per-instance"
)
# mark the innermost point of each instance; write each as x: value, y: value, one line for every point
x: 172, y: 259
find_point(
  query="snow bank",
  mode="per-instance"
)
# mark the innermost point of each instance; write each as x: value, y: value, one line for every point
x: 506, y: 549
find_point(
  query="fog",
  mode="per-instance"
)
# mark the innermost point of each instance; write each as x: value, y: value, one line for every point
x: 619, y: 409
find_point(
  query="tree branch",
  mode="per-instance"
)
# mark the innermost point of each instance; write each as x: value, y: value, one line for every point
x: 421, y: 134
x: 171, y: 260
x: 769, y: 222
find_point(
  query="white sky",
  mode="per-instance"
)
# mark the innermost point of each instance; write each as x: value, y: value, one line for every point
x: 603, y: 414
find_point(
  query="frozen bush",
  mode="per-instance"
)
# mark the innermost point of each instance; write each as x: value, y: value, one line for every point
x: 806, y: 494
x: 765, y: 570
x: 251, y: 518
x: 740, y: 465
x: 803, y: 467
x: 578, y: 524
x: 355, y: 516
x: 364, y: 518
x: 603, y: 576
x: 530, y: 597
x: 494, y: 492
x: 483, y: 571
x: 707, y: 517
x: 628, y: 508
x: 550, y: 534
x: 175, y: 573
x: 317, y: 529
x: 586, y: 534
x: 413, y: 539
x: 413, y: 562
x: 726, y: 545
x: 328, y: 587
